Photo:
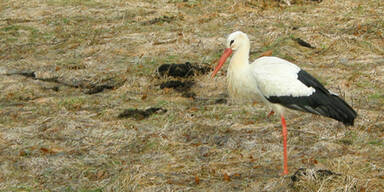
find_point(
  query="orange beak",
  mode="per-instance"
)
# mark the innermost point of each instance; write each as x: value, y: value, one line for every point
x: 223, y: 58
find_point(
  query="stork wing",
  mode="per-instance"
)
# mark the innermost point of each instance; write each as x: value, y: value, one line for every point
x: 278, y: 77
x: 284, y: 83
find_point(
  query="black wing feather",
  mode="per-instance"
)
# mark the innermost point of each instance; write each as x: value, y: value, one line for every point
x: 321, y: 102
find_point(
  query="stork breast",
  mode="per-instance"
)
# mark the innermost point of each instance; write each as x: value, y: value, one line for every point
x: 242, y: 87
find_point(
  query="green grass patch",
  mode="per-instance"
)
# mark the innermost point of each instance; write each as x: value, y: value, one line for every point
x: 378, y: 142
x: 87, y: 3
x: 377, y: 97
x: 18, y: 31
x: 73, y: 103
x: 349, y: 138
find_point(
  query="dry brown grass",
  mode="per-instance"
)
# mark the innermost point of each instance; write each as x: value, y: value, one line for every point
x: 56, y: 137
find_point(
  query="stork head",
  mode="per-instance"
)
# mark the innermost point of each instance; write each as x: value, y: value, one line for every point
x: 235, y: 41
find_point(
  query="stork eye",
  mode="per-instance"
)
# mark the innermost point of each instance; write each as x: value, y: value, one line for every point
x: 231, y: 42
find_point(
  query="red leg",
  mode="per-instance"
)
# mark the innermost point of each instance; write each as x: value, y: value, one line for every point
x: 270, y: 114
x: 285, y: 133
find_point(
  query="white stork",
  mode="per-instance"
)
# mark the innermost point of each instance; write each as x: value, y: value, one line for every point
x: 278, y: 83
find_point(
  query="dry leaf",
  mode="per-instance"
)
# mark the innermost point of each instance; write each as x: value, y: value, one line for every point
x: 74, y: 45
x: 226, y: 177
x: 236, y: 175
x: 193, y: 109
x: 22, y: 153
x: 100, y: 174
x: 56, y: 149
x: 167, y: 90
x: 250, y: 122
x: 267, y: 53
x: 42, y: 100
x: 144, y: 96
x: 44, y: 150
x: 51, y: 150
x: 168, y: 41
x: 365, y: 28
x: 197, y: 179
x: 309, y: 161
x: 10, y: 95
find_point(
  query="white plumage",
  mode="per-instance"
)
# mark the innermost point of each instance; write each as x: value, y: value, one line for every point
x: 278, y: 77
x: 278, y: 83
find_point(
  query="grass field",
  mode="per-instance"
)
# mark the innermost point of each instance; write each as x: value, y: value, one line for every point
x: 68, y: 68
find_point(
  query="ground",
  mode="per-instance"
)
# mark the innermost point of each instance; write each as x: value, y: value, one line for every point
x: 70, y: 68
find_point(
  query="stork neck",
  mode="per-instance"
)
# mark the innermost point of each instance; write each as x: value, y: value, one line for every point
x: 240, y: 58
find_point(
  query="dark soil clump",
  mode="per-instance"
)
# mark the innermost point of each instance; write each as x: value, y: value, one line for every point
x: 181, y: 70
x: 139, y: 114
